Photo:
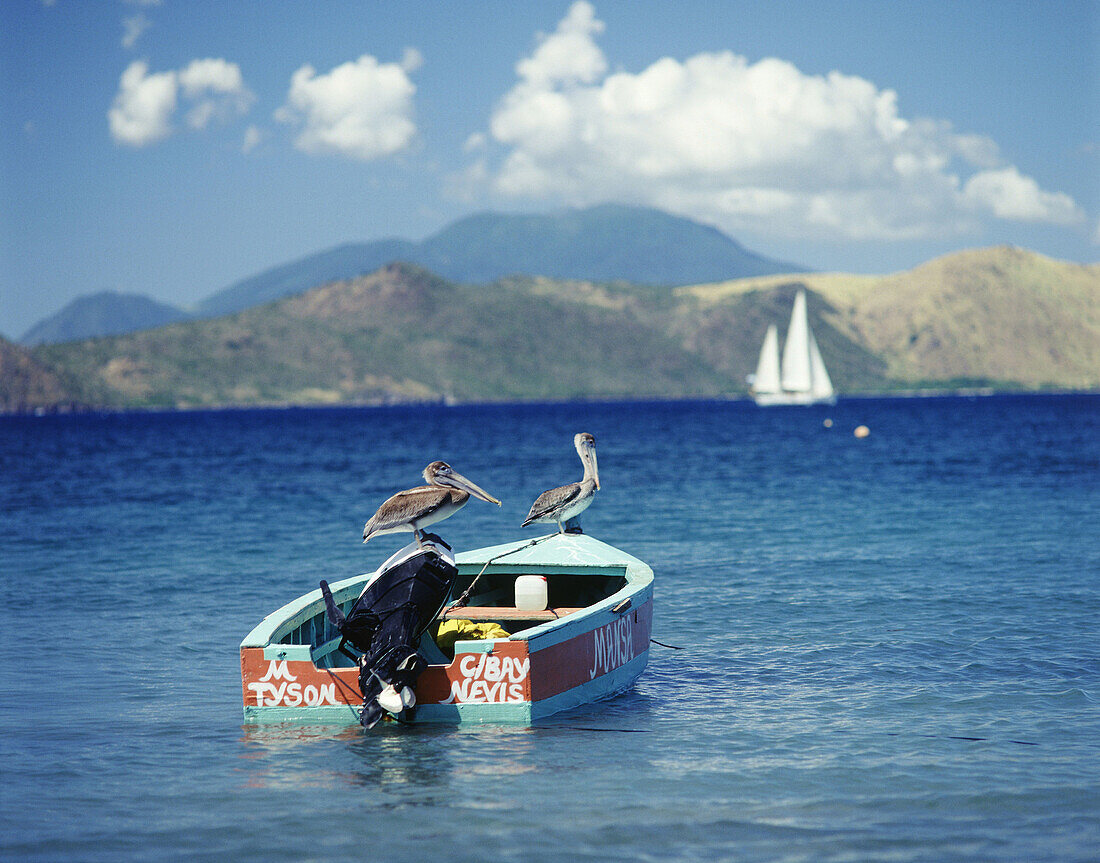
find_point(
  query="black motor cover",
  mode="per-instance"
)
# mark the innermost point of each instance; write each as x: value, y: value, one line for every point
x: 388, y: 618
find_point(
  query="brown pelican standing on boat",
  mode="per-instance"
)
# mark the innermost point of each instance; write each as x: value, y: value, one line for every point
x: 445, y: 494
x: 568, y: 501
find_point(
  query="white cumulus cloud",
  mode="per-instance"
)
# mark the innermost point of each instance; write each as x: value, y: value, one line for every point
x: 1011, y: 195
x: 569, y: 54
x: 363, y: 109
x: 216, y: 88
x: 143, y: 108
x: 146, y: 102
x: 743, y: 145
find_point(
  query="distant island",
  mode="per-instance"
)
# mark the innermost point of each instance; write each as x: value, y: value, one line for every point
x: 1002, y: 318
x: 610, y: 242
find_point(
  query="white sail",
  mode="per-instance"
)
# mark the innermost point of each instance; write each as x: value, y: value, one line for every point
x: 801, y: 379
x: 821, y: 388
x: 767, y: 367
x: 796, y: 352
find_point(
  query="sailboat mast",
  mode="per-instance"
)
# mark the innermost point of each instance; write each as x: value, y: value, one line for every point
x: 796, y: 352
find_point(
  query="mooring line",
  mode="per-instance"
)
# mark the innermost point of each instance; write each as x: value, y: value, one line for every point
x: 466, y: 594
x: 967, y: 739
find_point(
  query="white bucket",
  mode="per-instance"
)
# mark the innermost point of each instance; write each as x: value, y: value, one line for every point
x: 531, y: 592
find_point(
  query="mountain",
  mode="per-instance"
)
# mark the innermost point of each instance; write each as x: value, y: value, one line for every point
x: 26, y: 384
x: 103, y: 314
x: 999, y: 317
x: 1000, y: 314
x: 343, y: 262
x: 604, y: 243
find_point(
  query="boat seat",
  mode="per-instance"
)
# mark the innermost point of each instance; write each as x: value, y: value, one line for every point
x: 504, y: 612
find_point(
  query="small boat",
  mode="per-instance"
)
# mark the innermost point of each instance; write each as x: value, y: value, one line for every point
x: 802, y: 379
x: 589, y: 642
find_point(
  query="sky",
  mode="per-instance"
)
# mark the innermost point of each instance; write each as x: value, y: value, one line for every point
x: 171, y: 148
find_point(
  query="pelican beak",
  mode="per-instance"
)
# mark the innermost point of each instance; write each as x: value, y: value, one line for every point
x: 459, y: 481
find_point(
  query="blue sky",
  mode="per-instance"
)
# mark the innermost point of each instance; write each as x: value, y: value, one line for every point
x: 171, y: 148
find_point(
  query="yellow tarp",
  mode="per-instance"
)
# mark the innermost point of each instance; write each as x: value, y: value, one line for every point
x: 458, y: 629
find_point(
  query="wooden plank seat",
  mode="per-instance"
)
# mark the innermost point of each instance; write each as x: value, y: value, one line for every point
x: 503, y: 612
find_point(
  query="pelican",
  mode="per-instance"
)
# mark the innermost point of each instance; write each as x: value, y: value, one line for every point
x: 568, y: 501
x: 445, y: 494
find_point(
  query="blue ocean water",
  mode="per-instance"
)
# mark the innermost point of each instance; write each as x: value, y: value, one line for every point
x: 890, y: 647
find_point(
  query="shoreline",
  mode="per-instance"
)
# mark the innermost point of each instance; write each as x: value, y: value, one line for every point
x: 72, y: 409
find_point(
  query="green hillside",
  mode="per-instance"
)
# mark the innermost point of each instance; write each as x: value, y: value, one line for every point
x: 999, y: 317
x: 27, y: 385
x: 398, y: 334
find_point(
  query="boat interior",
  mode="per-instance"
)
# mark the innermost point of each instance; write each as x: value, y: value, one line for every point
x: 493, y: 600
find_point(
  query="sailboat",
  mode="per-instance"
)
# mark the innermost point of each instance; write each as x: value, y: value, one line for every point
x: 802, y: 378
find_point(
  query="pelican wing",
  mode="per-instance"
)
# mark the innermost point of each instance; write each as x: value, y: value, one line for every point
x: 549, y: 502
x: 405, y: 506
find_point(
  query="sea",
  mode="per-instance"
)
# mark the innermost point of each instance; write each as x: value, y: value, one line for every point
x: 877, y: 648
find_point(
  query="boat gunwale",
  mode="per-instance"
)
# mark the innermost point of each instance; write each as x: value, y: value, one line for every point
x: 293, y: 614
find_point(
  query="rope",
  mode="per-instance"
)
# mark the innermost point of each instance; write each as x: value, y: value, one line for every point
x: 461, y: 602
x: 466, y: 593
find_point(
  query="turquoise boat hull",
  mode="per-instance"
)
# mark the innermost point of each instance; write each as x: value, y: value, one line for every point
x: 591, y: 643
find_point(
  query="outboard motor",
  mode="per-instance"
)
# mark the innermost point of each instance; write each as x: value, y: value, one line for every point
x: 387, y: 620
